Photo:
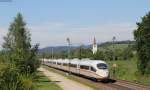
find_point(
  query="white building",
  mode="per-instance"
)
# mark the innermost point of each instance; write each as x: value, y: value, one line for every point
x: 94, y: 46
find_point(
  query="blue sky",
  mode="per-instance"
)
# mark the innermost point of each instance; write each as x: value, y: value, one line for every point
x: 52, y: 21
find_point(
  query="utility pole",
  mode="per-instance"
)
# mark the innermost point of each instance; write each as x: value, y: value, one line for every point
x: 80, y: 56
x: 113, y: 40
x: 52, y: 52
x: 114, y: 64
x: 69, y: 46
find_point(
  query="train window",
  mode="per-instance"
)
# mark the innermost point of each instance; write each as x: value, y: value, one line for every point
x: 58, y: 63
x: 101, y: 66
x: 73, y: 65
x: 93, y: 69
x: 84, y: 67
x: 64, y: 64
x: 54, y: 62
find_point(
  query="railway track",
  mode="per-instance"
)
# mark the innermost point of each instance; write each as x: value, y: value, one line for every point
x: 107, y: 85
x: 132, y: 85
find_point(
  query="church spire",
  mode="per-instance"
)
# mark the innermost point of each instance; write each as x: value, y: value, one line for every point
x: 94, y: 46
x: 94, y: 43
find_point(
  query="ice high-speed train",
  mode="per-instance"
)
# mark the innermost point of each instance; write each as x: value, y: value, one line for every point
x: 96, y: 69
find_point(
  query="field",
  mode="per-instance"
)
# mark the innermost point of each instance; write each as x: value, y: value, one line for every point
x: 115, y: 46
x: 127, y: 70
x: 45, y: 84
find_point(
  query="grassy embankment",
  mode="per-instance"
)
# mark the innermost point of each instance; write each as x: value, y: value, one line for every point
x: 44, y: 83
x: 127, y: 70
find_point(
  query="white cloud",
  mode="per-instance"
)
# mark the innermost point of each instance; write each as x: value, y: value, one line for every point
x: 56, y: 33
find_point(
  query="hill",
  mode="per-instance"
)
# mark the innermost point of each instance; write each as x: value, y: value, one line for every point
x: 59, y: 49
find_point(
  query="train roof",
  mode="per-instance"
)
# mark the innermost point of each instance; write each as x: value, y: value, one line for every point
x: 77, y: 61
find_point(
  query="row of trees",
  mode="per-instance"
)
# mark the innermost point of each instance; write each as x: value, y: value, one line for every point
x: 103, y: 53
x: 18, y: 58
x: 125, y: 53
x: 74, y: 53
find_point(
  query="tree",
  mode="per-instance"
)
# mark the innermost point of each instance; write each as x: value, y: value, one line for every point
x: 142, y: 37
x: 127, y: 53
x: 17, y: 44
x: 99, y: 55
x: 108, y: 54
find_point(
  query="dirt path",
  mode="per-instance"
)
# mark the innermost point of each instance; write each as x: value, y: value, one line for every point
x: 63, y: 82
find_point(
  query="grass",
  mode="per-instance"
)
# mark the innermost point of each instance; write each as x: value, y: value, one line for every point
x: 44, y: 83
x: 72, y: 77
x: 127, y: 70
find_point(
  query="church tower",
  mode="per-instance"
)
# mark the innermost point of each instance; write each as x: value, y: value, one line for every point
x: 94, y: 46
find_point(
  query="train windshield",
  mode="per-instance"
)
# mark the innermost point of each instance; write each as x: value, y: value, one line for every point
x: 101, y: 66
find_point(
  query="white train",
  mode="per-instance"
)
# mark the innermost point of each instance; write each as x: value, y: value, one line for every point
x: 96, y: 69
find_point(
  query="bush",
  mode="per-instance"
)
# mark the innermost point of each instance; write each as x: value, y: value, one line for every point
x: 26, y: 83
x: 11, y: 79
x: 99, y: 55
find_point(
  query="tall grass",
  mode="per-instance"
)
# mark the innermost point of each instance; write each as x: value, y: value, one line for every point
x: 11, y: 79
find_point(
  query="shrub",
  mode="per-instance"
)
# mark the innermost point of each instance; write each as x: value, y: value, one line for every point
x: 26, y: 83
x: 9, y: 78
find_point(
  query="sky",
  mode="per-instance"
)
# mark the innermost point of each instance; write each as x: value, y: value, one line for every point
x: 50, y: 22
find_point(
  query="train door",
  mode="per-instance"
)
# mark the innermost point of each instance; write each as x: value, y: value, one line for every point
x: 78, y: 69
